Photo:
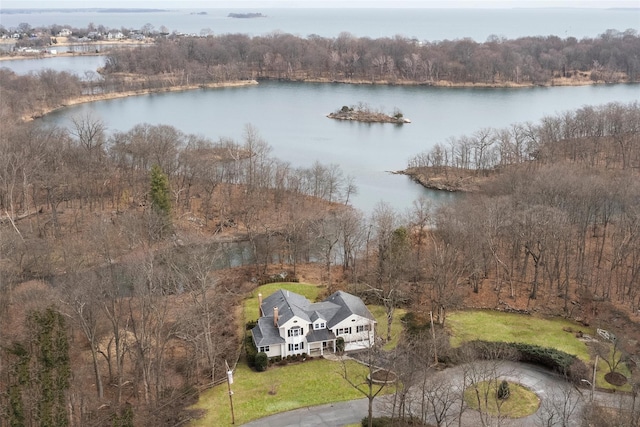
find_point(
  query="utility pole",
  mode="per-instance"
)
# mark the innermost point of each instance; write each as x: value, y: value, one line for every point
x: 229, y: 382
x: 435, y: 345
x: 593, y: 383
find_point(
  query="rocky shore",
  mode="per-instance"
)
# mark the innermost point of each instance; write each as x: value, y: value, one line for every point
x: 447, y: 178
x: 367, y: 116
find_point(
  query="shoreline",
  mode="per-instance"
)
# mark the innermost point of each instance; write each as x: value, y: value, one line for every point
x: 560, y: 81
x: 452, y: 180
x: 367, y: 117
x: 582, y: 80
x: 116, y: 95
x: 238, y: 83
x: 64, y: 43
x: 48, y: 55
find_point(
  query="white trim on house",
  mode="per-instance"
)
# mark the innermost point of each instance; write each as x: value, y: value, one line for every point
x: 291, y: 324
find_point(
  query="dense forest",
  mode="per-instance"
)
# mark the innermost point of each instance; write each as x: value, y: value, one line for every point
x: 563, y: 202
x: 110, y: 306
x: 180, y: 61
x: 612, y: 57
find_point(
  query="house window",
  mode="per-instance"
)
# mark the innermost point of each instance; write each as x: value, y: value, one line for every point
x: 343, y: 331
x: 362, y: 328
x: 296, y: 347
x: 294, y: 332
x: 264, y: 349
x: 319, y: 326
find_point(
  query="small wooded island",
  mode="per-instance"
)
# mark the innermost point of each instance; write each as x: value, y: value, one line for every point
x: 247, y: 15
x: 362, y: 113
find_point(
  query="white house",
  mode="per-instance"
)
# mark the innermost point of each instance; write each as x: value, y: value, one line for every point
x: 291, y: 324
x: 115, y: 36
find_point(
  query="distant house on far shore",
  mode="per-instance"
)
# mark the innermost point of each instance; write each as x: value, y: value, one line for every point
x: 291, y: 324
x: 115, y: 36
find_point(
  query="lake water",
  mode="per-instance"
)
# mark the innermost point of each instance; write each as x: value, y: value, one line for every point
x: 291, y: 118
x: 422, y: 24
x: 73, y: 64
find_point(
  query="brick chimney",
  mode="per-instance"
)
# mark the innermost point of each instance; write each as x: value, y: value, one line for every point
x: 275, y: 316
x: 260, y: 306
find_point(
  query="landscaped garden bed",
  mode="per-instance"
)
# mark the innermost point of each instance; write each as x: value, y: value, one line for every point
x: 484, y: 396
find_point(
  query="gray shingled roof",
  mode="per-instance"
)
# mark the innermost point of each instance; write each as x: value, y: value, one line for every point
x: 325, y: 309
x: 264, y: 333
x: 349, y: 304
x: 289, y: 304
x: 320, y: 335
x: 334, y: 309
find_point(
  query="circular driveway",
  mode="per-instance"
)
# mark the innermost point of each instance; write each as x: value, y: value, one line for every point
x: 552, y: 390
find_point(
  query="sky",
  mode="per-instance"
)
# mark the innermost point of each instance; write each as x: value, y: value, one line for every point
x: 190, y: 4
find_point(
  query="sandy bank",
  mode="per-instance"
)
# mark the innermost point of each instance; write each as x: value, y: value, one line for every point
x: 560, y: 81
x: 116, y: 95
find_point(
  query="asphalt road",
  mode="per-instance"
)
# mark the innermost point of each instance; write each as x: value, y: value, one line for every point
x: 550, y: 388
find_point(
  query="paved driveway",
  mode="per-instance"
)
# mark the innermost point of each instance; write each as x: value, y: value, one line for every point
x: 545, y: 384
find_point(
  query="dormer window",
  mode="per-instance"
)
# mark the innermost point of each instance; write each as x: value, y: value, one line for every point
x: 319, y: 325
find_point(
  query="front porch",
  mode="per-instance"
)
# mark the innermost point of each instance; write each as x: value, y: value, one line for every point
x: 321, y: 348
x: 320, y: 342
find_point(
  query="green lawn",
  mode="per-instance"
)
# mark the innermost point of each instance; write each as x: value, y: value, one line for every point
x: 396, y: 327
x: 603, y: 368
x: 315, y: 382
x: 296, y: 386
x: 521, y: 402
x: 509, y: 327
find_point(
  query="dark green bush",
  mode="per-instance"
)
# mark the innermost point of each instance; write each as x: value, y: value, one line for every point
x: 503, y: 390
x: 261, y: 361
x: 251, y: 351
x: 340, y: 344
x: 250, y: 324
x: 378, y: 422
x: 412, y: 325
x: 557, y: 360
x: 391, y: 422
x: 551, y: 358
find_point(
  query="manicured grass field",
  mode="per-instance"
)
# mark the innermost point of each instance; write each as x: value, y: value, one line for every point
x: 310, y: 383
x: 521, y: 401
x: 509, y: 327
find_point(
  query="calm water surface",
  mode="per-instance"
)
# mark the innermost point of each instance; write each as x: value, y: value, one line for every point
x: 422, y: 24
x: 291, y: 118
x: 73, y: 64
